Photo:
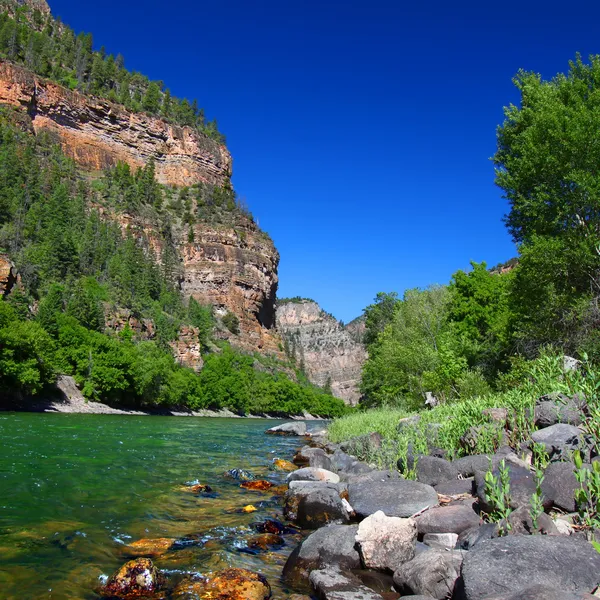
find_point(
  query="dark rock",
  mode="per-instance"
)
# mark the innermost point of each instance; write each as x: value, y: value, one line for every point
x: 333, y: 545
x: 272, y: 526
x: 443, y: 541
x: 264, y: 542
x: 374, y: 476
x: 333, y: 584
x: 134, y: 579
x: 431, y: 470
x: 433, y: 573
x: 559, y: 485
x: 294, y: 428
x: 514, y: 563
x: 522, y: 524
x: 470, y: 538
x: 361, y: 445
x: 446, y: 519
x: 522, y: 486
x: 313, y: 504
x: 396, y: 498
x: 467, y: 466
x: 557, y: 408
x: 559, y: 440
x: 379, y: 582
x: 345, y: 464
x: 314, y: 457
x: 455, y: 487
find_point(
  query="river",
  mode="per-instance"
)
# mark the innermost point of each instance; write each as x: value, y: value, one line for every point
x: 76, y: 489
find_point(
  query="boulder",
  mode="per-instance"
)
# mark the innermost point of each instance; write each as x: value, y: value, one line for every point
x: 333, y: 584
x: 385, y: 542
x: 396, y: 498
x: 542, y: 592
x: 455, y: 487
x: 314, y: 457
x: 558, y: 408
x: 559, y: 485
x: 515, y: 563
x: 347, y: 465
x: 134, y: 579
x: 431, y: 470
x: 560, y: 440
x: 434, y: 573
x: 373, y: 476
x: 313, y: 504
x: 313, y: 474
x: 473, y: 536
x: 333, y: 545
x: 447, y: 519
x: 467, y: 466
x: 523, y: 485
x: 442, y: 541
x: 294, y: 428
x: 521, y: 523
x: 237, y: 584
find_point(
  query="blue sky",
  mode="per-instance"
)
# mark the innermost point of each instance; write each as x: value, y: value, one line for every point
x: 361, y: 131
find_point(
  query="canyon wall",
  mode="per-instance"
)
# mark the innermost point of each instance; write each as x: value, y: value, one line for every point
x: 97, y: 133
x: 323, y: 346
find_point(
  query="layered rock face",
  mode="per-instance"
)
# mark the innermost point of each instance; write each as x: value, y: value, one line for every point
x: 8, y: 275
x: 235, y: 270
x: 327, y: 350
x: 97, y: 133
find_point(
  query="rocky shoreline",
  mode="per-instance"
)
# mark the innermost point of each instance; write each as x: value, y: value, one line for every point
x: 376, y: 535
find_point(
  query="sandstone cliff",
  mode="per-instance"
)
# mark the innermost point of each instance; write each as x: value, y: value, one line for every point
x: 97, y: 133
x: 324, y: 347
x: 232, y: 266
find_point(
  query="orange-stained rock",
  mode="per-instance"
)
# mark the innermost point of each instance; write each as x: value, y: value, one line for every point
x: 284, y: 465
x: 149, y: 547
x: 261, y: 485
x: 8, y: 275
x: 279, y: 490
x: 249, y: 508
x: 188, y: 588
x: 135, y: 579
x: 196, y: 489
x: 237, y: 584
x: 97, y: 133
x: 266, y: 541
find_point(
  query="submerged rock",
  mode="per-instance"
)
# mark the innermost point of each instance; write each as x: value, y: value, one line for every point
x: 266, y: 541
x: 237, y: 584
x: 332, y: 584
x: 133, y: 580
x: 284, y: 465
x: 150, y: 547
x: 239, y: 475
x: 257, y: 486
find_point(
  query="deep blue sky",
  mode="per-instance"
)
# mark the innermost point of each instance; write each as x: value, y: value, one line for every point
x: 361, y: 131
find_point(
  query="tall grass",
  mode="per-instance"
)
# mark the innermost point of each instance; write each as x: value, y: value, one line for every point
x: 445, y: 425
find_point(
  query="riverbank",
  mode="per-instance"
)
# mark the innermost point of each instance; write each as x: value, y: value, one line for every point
x: 68, y: 400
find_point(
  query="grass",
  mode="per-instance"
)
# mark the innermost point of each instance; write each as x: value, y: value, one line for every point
x: 445, y: 425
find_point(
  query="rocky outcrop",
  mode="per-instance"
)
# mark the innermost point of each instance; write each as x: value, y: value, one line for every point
x: 329, y: 354
x: 98, y: 134
x: 8, y: 275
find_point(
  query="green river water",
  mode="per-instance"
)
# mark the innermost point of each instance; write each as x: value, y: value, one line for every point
x: 76, y: 489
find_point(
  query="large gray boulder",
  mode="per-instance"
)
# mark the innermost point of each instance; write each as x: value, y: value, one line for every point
x: 333, y: 545
x: 512, y: 564
x: 473, y: 536
x: 558, y: 408
x: 386, y: 542
x: 543, y: 592
x: 312, y: 504
x: 294, y: 428
x: 560, y: 440
x: 333, y: 584
x: 467, y: 466
x: 396, y: 498
x: 447, y: 519
x: 313, y: 474
x: 455, y: 487
x: 559, y: 485
x: 431, y: 470
x: 434, y: 573
x: 346, y: 465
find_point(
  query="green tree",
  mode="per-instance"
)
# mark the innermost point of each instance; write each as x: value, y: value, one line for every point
x: 152, y: 97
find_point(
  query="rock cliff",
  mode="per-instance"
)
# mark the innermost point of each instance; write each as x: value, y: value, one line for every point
x: 97, y: 133
x: 232, y: 266
x: 324, y: 347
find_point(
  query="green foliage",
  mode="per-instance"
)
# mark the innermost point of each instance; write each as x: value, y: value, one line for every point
x: 536, y: 503
x: 202, y: 317
x: 232, y: 323
x: 497, y: 493
x: 588, y: 494
x: 52, y: 50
